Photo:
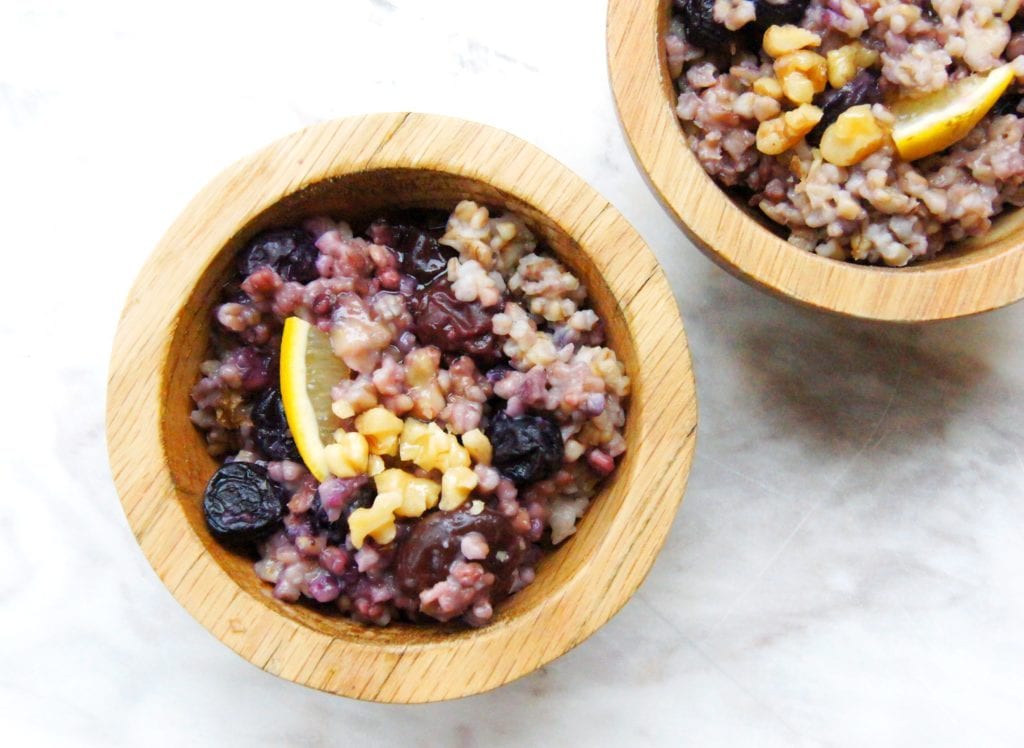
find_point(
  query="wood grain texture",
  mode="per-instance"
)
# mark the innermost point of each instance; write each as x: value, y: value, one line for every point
x: 355, y: 168
x: 975, y: 276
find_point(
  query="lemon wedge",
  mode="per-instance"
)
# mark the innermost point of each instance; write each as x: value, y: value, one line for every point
x: 931, y: 123
x: 309, y: 369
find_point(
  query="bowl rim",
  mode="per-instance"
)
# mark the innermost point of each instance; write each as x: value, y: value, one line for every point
x: 970, y: 282
x: 664, y: 404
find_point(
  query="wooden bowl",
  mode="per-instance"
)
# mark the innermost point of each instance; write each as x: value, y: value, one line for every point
x: 355, y: 168
x: 974, y: 276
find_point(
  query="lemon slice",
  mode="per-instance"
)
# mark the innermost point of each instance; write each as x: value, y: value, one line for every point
x: 931, y: 123
x: 309, y: 369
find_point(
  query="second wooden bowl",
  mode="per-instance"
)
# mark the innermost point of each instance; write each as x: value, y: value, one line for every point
x: 356, y: 168
x: 974, y: 276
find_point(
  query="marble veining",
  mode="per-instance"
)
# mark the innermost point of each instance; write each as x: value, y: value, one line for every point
x: 845, y: 568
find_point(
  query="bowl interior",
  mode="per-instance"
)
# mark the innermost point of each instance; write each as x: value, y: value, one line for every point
x: 359, y: 198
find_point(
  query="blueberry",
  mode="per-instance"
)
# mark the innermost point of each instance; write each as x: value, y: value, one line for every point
x: 241, y: 502
x: 419, y: 253
x: 456, y: 327
x: 702, y: 30
x: 270, y: 428
x: 289, y: 252
x: 863, y: 89
x: 700, y: 26
x: 778, y: 13
x: 526, y: 448
x: 425, y: 556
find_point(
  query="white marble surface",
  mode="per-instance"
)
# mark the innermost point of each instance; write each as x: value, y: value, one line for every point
x: 846, y: 568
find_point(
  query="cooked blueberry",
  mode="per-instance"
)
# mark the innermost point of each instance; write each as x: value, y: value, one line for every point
x: 456, y: 327
x: 863, y: 89
x: 526, y: 448
x: 345, y: 494
x: 241, y: 502
x: 420, y: 255
x: 424, y: 558
x: 778, y: 13
x: 700, y: 26
x: 270, y: 428
x: 289, y: 252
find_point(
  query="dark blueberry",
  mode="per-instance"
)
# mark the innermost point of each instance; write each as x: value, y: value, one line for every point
x: 1007, y: 103
x: 419, y: 254
x: 425, y: 557
x: 700, y: 26
x: 456, y: 327
x: 270, y: 428
x: 702, y: 30
x: 359, y: 493
x: 241, y: 502
x: 768, y: 13
x: 290, y: 252
x: 863, y: 89
x: 526, y: 448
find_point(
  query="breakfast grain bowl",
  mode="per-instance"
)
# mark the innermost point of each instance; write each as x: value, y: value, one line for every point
x: 409, y: 416
x: 168, y: 380
x: 871, y: 130
x: 859, y: 157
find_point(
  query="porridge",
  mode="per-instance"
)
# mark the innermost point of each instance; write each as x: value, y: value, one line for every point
x: 408, y: 418
x: 869, y: 130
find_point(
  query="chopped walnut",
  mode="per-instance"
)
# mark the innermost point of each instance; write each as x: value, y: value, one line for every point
x: 853, y: 137
x: 845, y: 62
x: 768, y: 87
x: 781, y: 40
x: 802, y: 74
x: 787, y: 130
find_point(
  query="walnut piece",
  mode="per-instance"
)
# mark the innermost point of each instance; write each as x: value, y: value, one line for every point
x: 853, y: 137
x: 802, y: 74
x: 781, y: 40
x: 768, y: 87
x: 844, y: 63
x: 787, y: 130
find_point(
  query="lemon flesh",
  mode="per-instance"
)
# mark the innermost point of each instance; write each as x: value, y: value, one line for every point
x: 309, y: 369
x: 934, y: 122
